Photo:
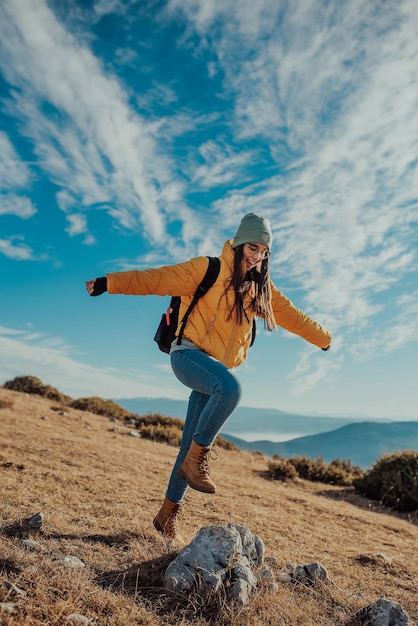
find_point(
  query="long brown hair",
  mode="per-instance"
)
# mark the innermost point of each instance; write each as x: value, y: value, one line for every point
x: 261, y: 303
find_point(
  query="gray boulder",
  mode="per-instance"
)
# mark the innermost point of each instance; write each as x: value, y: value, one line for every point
x: 383, y: 612
x: 218, y: 556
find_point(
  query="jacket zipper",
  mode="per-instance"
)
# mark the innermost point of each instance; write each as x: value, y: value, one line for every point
x: 209, y: 328
x: 230, y: 343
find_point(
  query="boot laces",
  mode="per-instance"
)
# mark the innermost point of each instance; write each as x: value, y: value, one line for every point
x: 171, y: 525
x: 203, y: 462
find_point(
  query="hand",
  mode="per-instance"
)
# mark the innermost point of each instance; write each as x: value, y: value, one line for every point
x: 96, y: 286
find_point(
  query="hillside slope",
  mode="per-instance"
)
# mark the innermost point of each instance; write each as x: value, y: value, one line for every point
x: 99, y: 490
x: 361, y: 443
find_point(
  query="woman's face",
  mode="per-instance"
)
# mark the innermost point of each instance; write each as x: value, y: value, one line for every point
x: 252, y: 254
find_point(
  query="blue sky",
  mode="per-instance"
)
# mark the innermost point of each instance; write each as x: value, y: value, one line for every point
x: 137, y: 134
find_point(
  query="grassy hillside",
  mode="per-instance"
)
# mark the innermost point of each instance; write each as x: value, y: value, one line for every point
x: 99, y: 489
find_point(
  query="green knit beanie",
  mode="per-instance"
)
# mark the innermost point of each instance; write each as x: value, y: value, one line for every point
x: 253, y: 229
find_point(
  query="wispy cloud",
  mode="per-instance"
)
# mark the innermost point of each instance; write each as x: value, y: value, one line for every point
x: 14, y: 248
x: 220, y: 165
x: 20, y: 206
x: 91, y: 135
x: 25, y: 352
x: 15, y: 176
x: 13, y: 172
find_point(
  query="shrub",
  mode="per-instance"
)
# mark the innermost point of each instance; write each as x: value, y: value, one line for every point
x: 32, y: 384
x: 157, y: 419
x: 25, y: 384
x: 158, y: 427
x: 98, y: 406
x: 162, y: 434
x: 336, y: 472
x: 305, y: 468
x: 393, y: 480
x: 282, y: 469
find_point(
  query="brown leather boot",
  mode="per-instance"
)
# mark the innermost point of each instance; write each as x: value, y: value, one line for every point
x: 166, y: 521
x: 195, y: 469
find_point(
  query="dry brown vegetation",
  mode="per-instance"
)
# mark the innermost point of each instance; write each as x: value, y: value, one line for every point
x: 99, y: 490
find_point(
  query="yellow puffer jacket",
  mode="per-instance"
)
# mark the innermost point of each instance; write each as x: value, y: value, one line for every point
x: 208, y: 326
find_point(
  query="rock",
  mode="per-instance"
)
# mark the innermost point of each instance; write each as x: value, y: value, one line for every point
x: 284, y: 577
x: 7, y: 607
x: 383, y: 612
x: 218, y: 555
x: 266, y: 574
x: 307, y: 575
x: 34, y: 522
x: 13, y: 590
x: 73, y: 561
x: 31, y: 544
x: 384, y: 557
x: 76, y: 618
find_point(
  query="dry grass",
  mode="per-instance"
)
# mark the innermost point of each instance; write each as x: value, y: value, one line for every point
x: 99, y: 490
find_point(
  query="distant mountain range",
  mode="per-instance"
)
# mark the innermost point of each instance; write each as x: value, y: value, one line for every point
x: 360, y: 441
x: 247, y: 422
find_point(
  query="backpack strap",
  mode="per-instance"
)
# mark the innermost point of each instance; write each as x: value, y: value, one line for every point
x: 212, y: 273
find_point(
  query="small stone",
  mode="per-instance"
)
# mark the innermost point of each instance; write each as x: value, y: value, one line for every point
x: 384, y: 557
x: 7, y: 607
x: 266, y: 573
x: 34, y: 522
x: 73, y: 561
x: 31, y: 544
x: 13, y: 590
x: 306, y: 574
x: 76, y: 618
x: 133, y: 433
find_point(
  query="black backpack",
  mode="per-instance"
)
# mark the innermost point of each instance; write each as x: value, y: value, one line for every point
x: 166, y: 331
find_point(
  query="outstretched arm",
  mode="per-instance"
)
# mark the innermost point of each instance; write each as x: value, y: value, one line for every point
x: 291, y: 318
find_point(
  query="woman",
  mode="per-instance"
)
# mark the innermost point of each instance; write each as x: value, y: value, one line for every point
x: 216, y: 340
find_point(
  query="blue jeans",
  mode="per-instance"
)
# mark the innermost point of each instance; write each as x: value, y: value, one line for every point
x: 216, y: 393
